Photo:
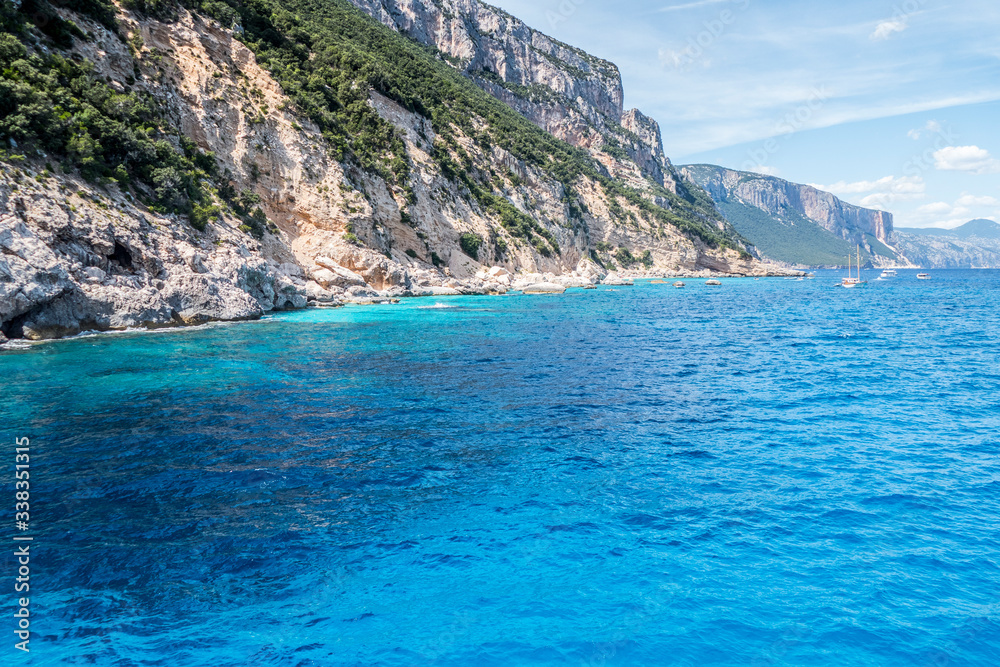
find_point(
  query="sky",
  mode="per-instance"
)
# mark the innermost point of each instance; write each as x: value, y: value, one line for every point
x: 891, y: 105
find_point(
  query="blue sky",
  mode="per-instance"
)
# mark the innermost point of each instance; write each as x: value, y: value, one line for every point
x: 892, y: 105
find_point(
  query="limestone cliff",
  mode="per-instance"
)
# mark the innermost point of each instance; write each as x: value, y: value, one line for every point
x: 975, y: 245
x: 785, y: 230
x: 82, y: 258
x: 572, y: 94
x: 96, y: 254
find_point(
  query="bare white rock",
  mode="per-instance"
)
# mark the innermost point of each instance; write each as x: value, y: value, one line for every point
x: 544, y: 288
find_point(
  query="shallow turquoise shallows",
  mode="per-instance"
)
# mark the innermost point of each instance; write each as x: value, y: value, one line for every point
x: 769, y: 472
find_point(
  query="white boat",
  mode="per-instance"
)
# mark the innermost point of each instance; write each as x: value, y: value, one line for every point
x: 850, y: 281
x: 887, y: 273
x: 923, y: 276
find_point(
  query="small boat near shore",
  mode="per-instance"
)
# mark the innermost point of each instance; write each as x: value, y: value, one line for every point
x: 678, y: 284
x: 887, y: 274
x: 850, y: 281
x: 713, y: 283
x: 923, y: 276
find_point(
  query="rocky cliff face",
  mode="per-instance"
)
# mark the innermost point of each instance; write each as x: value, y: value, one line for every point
x: 98, y: 259
x: 775, y: 196
x: 484, y: 38
x: 569, y: 93
x: 78, y: 258
x: 949, y: 251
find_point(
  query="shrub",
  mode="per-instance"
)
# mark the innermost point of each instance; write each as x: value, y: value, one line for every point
x: 625, y: 257
x: 470, y: 244
x: 52, y: 104
x: 202, y: 214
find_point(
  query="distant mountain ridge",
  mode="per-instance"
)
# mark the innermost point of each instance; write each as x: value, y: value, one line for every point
x: 980, y: 228
x: 974, y: 245
x: 794, y: 223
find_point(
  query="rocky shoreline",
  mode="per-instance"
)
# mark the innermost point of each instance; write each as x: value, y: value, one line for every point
x: 345, y: 287
x: 76, y: 257
x: 298, y: 227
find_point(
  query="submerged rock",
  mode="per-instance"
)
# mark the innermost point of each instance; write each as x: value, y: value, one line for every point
x: 544, y: 288
x: 438, y: 291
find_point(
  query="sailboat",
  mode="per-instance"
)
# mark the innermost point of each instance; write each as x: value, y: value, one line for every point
x: 850, y: 281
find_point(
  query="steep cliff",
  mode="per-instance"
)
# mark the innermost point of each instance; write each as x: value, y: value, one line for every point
x: 974, y: 245
x: 571, y: 94
x: 979, y: 228
x: 796, y: 223
x: 241, y: 158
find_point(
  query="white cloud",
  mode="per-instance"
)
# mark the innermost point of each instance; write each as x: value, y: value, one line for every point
x: 879, y: 193
x: 766, y: 170
x: 943, y: 214
x: 898, y: 187
x: 672, y: 58
x: 740, y: 116
x: 970, y: 159
x: 689, y: 5
x: 885, y: 29
x: 937, y: 208
x: 682, y: 58
x: 971, y: 200
x: 932, y: 127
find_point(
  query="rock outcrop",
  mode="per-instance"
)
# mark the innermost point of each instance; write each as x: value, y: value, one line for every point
x: 949, y: 251
x: 796, y: 224
x: 74, y: 258
x: 775, y: 196
x: 566, y: 91
x: 80, y: 255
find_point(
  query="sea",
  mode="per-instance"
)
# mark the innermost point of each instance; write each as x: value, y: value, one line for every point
x: 765, y: 472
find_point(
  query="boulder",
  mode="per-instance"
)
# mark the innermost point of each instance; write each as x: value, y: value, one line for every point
x: 341, y: 277
x: 316, y: 293
x: 544, y: 288
x: 195, y: 260
x: 324, y: 277
x: 94, y: 274
x: 440, y: 291
x: 359, y: 292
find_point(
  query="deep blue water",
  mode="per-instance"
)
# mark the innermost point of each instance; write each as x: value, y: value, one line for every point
x: 772, y: 472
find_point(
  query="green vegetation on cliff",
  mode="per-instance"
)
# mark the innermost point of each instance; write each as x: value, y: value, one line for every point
x: 327, y: 56
x: 791, y: 238
x: 51, y: 104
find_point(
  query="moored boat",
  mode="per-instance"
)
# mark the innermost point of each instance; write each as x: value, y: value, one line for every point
x: 923, y: 276
x: 850, y: 281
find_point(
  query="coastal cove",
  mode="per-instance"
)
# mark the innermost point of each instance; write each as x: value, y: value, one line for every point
x: 765, y: 472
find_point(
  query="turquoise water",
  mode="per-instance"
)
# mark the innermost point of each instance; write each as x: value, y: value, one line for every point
x: 772, y: 472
